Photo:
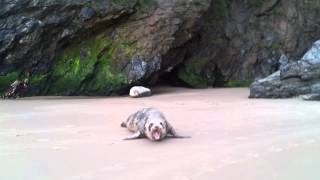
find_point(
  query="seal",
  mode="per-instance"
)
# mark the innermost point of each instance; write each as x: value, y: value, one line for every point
x: 150, y: 123
x: 139, y: 91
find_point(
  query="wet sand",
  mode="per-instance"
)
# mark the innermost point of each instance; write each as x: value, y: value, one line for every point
x: 233, y: 138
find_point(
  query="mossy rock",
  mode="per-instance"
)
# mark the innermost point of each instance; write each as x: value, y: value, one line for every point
x: 221, y: 8
x: 104, y: 81
x: 146, y: 6
x: 192, y: 72
x: 75, y: 64
x: 238, y: 83
x: 37, y: 79
x: 91, y: 67
x: 256, y: 3
x: 194, y: 80
x: 124, y: 2
x: 37, y: 82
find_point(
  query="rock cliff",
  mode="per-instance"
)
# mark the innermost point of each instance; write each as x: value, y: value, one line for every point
x: 240, y: 41
x: 100, y: 47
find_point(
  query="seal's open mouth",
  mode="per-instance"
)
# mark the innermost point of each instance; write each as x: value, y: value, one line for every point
x: 156, y: 134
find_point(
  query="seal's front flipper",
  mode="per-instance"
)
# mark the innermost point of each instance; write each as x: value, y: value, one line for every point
x: 136, y: 135
x: 172, y: 132
x: 170, y: 129
x: 123, y: 124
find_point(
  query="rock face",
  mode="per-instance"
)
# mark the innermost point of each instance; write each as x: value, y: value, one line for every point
x: 240, y: 41
x: 295, y: 78
x: 100, y: 47
x: 87, y: 47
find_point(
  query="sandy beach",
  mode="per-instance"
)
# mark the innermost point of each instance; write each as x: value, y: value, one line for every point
x: 233, y: 138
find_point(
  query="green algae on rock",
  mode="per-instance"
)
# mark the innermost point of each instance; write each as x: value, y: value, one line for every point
x: 238, y: 83
x: 90, y: 67
x: 194, y: 78
x: 74, y: 65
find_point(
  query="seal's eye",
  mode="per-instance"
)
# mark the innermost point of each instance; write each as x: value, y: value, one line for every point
x: 150, y: 125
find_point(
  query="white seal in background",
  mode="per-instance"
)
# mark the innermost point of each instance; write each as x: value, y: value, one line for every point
x: 139, y: 91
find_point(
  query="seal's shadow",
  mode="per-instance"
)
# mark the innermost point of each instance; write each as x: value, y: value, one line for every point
x: 159, y: 91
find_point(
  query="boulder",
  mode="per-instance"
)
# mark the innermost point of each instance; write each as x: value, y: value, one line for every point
x: 293, y: 79
x: 313, y: 55
x: 311, y: 97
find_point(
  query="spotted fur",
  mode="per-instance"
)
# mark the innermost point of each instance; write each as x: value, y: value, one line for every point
x: 146, y: 123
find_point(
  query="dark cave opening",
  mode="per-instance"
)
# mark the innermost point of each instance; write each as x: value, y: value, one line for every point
x: 211, y: 76
x: 171, y: 79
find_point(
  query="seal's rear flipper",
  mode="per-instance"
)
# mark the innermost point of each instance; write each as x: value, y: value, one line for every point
x: 179, y: 137
x: 136, y: 135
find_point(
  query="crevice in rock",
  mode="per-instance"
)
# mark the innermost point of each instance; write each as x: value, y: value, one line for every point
x: 269, y: 9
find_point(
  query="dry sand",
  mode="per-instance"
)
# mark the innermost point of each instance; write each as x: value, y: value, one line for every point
x: 233, y: 138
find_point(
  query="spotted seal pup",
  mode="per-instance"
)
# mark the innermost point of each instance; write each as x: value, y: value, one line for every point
x: 150, y: 123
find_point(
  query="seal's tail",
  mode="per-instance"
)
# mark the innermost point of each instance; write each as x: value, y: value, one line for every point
x: 123, y: 124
